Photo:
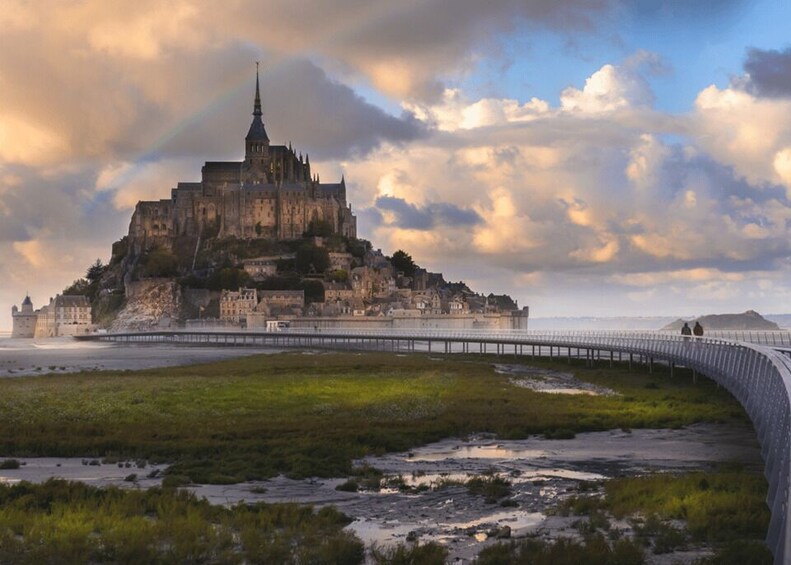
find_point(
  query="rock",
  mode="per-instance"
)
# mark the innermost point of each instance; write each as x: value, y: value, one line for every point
x: 151, y: 304
x: 503, y: 533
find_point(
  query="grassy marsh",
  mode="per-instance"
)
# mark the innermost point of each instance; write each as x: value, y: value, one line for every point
x: 725, y: 509
x: 312, y: 415
x: 67, y: 522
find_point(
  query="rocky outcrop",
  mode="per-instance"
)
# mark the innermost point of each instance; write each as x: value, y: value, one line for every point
x: 151, y: 304
x: 749, y: 320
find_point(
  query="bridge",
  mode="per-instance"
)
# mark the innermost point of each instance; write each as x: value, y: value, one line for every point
x: 758, y: 375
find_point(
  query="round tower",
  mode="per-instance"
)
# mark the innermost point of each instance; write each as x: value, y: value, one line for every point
x: 24, y: 320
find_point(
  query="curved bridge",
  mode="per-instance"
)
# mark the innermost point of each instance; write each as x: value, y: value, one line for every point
x: 758, y: 376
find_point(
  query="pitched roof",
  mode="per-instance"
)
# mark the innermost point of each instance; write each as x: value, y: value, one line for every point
x: 72, y: 301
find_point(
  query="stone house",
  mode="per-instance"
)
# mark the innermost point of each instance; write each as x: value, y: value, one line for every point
x: 260, y: 268
x: 336, y: 291
x: 292, y: 298
x: 236, y: 305
x: 341, y: 261
x: 458, y: 305
x: 65, y: 315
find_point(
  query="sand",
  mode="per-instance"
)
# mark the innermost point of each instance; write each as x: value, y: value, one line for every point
x: 22, y: 357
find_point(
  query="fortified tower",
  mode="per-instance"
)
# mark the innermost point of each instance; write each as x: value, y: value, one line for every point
x: 24, y: 321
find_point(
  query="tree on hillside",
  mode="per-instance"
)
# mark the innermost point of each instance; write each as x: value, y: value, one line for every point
x: 96, y: 271
x: 160, y: 262
x: 402, y: 261
x: 312, y: 259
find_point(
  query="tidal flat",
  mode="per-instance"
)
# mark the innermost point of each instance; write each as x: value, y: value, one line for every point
x: 306, y: 422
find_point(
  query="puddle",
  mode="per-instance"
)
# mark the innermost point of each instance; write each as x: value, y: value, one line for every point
x: 548, y: 381
x: 89, y: 471
x: 494, y: 451
x: 516, y: 520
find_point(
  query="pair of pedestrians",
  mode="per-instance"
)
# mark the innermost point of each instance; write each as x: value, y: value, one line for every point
x: 697, y: 331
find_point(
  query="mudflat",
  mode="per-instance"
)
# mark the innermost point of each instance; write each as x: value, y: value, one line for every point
x: 24, y: 357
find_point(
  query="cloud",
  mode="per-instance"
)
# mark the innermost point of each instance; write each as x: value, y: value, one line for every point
x: 328, y: 117
x: 410, y: 216
x: 769, y: 72
x: 594, y: 197
x: 403, y: 49
x: 608, y: 89
x: 109, y: 103
x: 744, y: 131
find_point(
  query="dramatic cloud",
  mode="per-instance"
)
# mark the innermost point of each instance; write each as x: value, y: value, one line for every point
x: 769, y: 72
x: 408, y: 216
x: 403, y: 48
x: 749, y: 133
x: 591, y: 192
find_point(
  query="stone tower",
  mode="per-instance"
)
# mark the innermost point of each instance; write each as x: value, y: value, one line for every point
x: 24, y: 321
x: 256, y: 168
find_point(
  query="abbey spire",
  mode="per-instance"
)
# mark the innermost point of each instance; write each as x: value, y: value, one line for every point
x: 257, y: 104
x: 257, y: 140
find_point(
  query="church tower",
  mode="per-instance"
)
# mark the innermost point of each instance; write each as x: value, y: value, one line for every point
x: 255, y: 169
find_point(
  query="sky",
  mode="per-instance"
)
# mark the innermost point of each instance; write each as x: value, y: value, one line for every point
x: 587, y: 157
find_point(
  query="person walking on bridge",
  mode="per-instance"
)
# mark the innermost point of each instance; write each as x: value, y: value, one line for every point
x: 686, y: 331
x: 698, y: 330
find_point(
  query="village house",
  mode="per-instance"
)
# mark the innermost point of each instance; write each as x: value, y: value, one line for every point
x: 236, y: 305
x: 458, y: 305
x: 336, y: 291
x: 293, y: 298
x: 260, y: 268
x: 428, y: 302
x: 340, y: 261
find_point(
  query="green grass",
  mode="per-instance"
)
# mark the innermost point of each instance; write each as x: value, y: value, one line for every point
x: 62, y: 522
x: 312, y: 415
x: 716, y: 507
x: 726, y: 509
x: 593, y: 550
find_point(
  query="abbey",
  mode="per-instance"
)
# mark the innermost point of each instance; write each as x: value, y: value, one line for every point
x: 271, y: 194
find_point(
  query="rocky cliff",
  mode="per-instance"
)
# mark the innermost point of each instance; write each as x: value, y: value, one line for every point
x: 151, y: 304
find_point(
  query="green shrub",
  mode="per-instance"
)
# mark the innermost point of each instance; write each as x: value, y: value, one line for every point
x: 9, y: 464
x: 419, y: 554
x: 348, y: 486
x: 742, y: 552
x: 492, y: 488
x: 594, y: 550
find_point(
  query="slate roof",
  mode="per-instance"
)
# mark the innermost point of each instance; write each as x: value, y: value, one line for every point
x: 72, y: 301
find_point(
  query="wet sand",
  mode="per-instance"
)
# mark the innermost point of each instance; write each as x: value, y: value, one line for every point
x: 542, y: 472
x: 23, y: 357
